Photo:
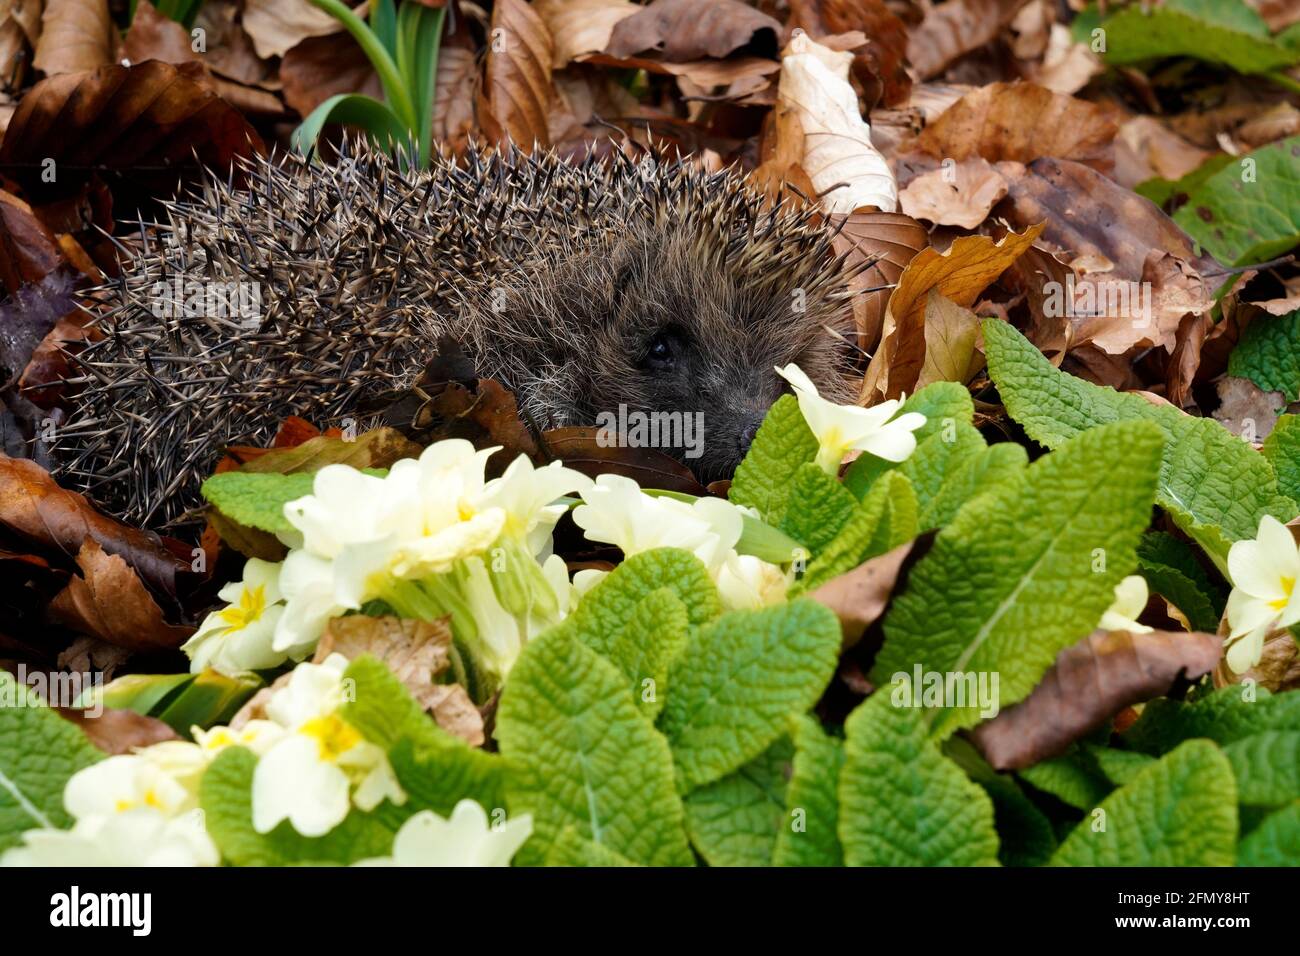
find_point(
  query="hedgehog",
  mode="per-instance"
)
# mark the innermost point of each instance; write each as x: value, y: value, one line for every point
x: 585, y: 287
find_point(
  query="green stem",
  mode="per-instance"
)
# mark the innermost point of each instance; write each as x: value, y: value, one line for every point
x: 1284, y: 81
x: 389, y: 75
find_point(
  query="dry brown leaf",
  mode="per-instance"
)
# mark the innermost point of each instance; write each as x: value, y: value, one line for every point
x: 1090, y: 683
x: 416, y: 652
x: 76, y: 35
x: 1021, y: 122
x: 683, y: 30
x: 956, y: 194
x: 277, y: 26
x: 879, y: 55
x: 890, y: 240
x: 1117, y: 315
x: 1247, y: 410
x: 119, y: 731
x: 27, y: 250
x: 320, y: 67
x: 1066, y: 67
x: 859, y: 597
x: 109, y: 602
x: 951, y: 336
x: 954, y: 29
x: 518, y: 91
x: 583, y: 448
x: 453, y: 98
x: 229, y: 50
x: 960, y: 274
x: 1157, y: 151
x: 1278, y: 668
x: 580, y: 27
x: 156, y: 37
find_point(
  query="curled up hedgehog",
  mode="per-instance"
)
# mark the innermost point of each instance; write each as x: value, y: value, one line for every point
x: 582, y: 287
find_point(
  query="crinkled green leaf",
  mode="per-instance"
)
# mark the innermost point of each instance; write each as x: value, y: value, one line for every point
x: 1118, y: 766
x: 226, y: 796
x: 739, y: 681
x: 1275, y: 842
x: 583, y: 755
x: 1267, y: 766
x: 1282, y: 449
x: 818, y: 507
x: 1223, y: 716
x: 1269, y: 350
x: 1025, y: 835
x: 734, y: 821
x: 39, y: 751
x: 1179, y: 811
x: 936, y: 460
x: 1072, y: 778
x: 902, y: 802
x: 257, y: 500
x: 944, y: 404
x: 571, y: 848
x: 1249, y: 211
x: 1214, y: 485
x: 1215, y: 31
x: 1172, y: 571
x: 809, y: 832
x: 886, y: 518
x: 975, y: 475
x: 1015, y: 578
x: 784, y: 443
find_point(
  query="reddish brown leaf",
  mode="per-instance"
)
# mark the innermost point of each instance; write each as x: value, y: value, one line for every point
x: 890, y: 240
x: 878, y: 63
x: 110, y: 602
x: 683, y: 30
x: 859, y: 597
x: 27, y: 249
x: 953, y: 29
x: 320, y: 67
x: 1090, y: 683
x: 580, y: 449
x: 154, y: 36
x: 119, y: 731
x: 518, y: 92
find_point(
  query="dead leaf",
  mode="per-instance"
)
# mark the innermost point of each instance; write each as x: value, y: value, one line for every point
x: 1117, y: 314
x: 1278, y: 668
x: 456, y: 89
x: 27, y: 250
x: 377, y: 448
x: 1156, y: 150
x: 1090, y: 683
x: 1021, y: 122
x: 1247, y: 410
x: 846, y: 170
x: 1066, y: 67
x: 960, y: 274
x: 958, y: 195
x: 518, y: 91
x: 76, y: 35
x: 118, y: 731
x: 682, y: 30
x: 859, y: 597
x: 91, y: 655
x: 953, y: 29
x: 229, y: 50
x: 156, y: 37
x: 888, y: 239
x: 580, y: 27
x: 878, y: 58
x: 416, y: 652
x: 58, y: 523
x: 320, y: 67
x: 581, y: 449
x: 951, y: 334
x: 277, y: 26
x: 109, y: 602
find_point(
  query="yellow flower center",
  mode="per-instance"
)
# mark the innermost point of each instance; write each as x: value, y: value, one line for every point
x: 150, y: 800
x: 1288, y: 585
x: 334, y: 736
x: 252, y: 602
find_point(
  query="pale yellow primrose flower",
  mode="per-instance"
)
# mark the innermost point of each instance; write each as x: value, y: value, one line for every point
x: 466, y: 839
x: 308, y: 775
x: 1264, y: 595
x: 1130, y: 601
x: 844, y: 428
x: 239, y: 637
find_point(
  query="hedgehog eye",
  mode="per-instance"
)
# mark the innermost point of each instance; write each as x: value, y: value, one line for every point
x: 662, y: 350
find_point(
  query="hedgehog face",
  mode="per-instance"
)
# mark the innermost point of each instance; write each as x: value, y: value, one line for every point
x: 654, y: 335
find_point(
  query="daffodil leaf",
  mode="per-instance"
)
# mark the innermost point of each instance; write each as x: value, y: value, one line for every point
x: 1267, y: 766
x: 1275, y: 842
x: 1172, y: 571
x: 784, y: 443
x: 973, y: 604
x: 818, y: 507
x: 808, y: 834
x: 1179, y: 811
x: 734, y: 821
x: 571, y: 848
x: 1269, y: 351
x: 226, y: 797
x: 973, y: 475
x: 1214, y: 485
x: 639, y: 616
x: 902, y: 802
x: 739, y: 681
x: 944, y: 405
x: 583, y: 755
x: 436, y: 769
x: 1224, y: 716
x: 1282, y: 448
x: 935, y: 460
x: 886, y: 518
x: 39, y: 751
